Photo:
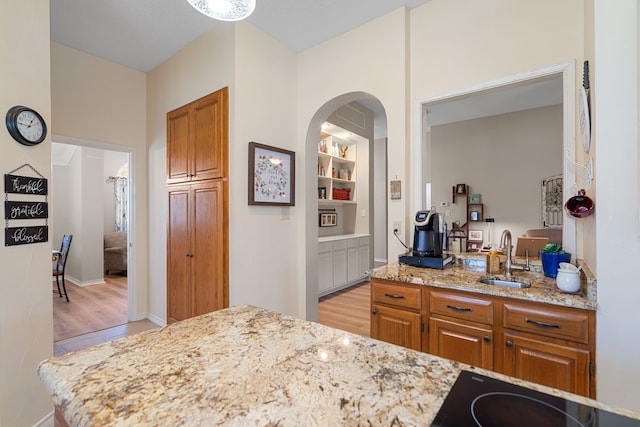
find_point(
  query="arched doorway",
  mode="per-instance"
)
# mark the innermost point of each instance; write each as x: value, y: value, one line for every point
x: 346, y: 111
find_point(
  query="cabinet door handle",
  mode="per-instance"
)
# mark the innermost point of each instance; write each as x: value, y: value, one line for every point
x: 190, y: 255
x: 456, y: 308
x: 509, y: 344
x: 543, y: 324
x: 486, y: 338
x: 374, y: 311
x: 394, y: 296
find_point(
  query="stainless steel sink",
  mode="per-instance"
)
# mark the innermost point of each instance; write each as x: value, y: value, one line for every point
x: 502, y: 281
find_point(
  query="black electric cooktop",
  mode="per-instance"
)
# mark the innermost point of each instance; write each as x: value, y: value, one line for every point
x: 477, y: 400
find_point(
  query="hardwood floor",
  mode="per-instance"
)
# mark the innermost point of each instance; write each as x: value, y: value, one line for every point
x: 90, y: 308
x: 348, y: 309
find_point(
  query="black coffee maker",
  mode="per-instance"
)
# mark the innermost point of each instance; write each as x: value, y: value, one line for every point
x: 428, y: 234
x: 428, y: 237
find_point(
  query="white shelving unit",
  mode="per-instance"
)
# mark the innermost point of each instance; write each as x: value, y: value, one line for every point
x: 336, y: 169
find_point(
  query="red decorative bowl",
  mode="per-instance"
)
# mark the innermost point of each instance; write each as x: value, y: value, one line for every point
x: 579, y: 206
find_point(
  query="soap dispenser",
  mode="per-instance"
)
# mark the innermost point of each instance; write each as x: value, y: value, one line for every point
x: 493, y: 261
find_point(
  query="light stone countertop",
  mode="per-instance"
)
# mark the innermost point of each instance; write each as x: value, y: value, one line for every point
x: 465, y: 273
x: 250, y: 366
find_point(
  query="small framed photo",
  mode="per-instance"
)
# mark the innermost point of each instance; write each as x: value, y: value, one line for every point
x: 474, y: 215
x: 272, y: 173
x: 474, y: 199
x: 475, y: 235
x: 322, y: 193
x: 328, y: 220
x: 461, y: 188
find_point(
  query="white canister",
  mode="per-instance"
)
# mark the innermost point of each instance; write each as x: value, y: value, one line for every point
x: 568, y: 281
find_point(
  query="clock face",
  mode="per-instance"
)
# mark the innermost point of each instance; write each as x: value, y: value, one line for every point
x: 25, y: 125
x: 30, y: 126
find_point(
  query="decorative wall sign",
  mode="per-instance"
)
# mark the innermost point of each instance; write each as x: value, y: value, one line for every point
x: 272, y: 174
x: 16, y: 184
x: 25, y: 210
x: 14, y: 236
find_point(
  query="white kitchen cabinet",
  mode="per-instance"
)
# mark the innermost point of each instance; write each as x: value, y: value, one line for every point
x: 339, y: 263
x: 325, y: 266
x: 342, y: 261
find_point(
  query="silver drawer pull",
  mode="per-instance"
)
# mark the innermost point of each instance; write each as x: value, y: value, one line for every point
x: 542, y: 324
x: 394, y: 296
x: 456, y: 308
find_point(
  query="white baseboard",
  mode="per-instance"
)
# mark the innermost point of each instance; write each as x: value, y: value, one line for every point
x: 155, y: 319
x: 47, y: 421
x: 80, y: 283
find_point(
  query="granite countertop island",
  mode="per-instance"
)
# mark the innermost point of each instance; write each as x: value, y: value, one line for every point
x: 250, y: 366
x: 465, y: 273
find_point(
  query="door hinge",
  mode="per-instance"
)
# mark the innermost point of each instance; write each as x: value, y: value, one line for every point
x: 590, y: 369
x: 421, y: 327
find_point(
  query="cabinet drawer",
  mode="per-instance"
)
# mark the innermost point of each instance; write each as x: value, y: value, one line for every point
x: 546, y: 321
x: 400, y: 296
x: 325, y: 247
x: 339, y: 244
x: 462, y: 307
x: 352, y: 243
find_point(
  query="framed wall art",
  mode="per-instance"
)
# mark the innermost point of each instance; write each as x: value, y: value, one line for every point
x: 328, y: 220
x: 272, y: 174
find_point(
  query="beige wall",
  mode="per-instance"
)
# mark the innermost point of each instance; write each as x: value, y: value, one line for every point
x: 26, y: 334
x: 617, y: 206
x: 474, y: 152
x: 202, y: 67
x: 368, y: 61
x: 453, y: 44
x: 100, y: 104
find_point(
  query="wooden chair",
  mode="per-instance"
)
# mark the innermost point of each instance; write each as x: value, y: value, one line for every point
x: 60, y: 264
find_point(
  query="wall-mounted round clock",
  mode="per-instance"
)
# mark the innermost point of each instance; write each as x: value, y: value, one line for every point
x: 25, y: 125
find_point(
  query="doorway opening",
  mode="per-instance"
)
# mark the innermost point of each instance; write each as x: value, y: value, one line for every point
x: 346, y: 189
x: 504, y: 172
x: 91, y: 200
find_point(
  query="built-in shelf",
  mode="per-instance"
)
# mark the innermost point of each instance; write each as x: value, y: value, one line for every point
x: 336, y: 170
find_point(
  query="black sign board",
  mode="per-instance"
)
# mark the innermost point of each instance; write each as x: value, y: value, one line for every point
x: 25, y: 210
x: 17, y: 184
x: 25, y: 235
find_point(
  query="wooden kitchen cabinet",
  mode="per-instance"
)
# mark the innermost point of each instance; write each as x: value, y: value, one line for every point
x: 396, y: 314
x: 460, y: 328
x: 554, y: 365
x: 396, y: 326
x: 197, y: 139
x: 549, y: 345
x: 198, y: 207
x: 542, y: 343
x: 197, y: 260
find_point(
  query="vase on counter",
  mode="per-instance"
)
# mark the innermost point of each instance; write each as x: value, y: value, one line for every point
x: 551, y: 262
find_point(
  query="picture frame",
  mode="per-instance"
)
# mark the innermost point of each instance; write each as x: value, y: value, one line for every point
x: 322, y: 193
x: 475, y: 199
x: 475, y: 236
x: 272, y: 174
x: 474, y: 215
x: 327, y: 219
x: 461, y: 188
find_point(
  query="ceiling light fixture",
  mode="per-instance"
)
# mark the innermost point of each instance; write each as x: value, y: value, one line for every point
x: 224, y: 10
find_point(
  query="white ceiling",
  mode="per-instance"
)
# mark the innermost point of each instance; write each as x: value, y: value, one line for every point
x: 141, y: 34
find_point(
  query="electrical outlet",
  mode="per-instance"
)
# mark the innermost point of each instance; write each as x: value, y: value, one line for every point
x: 396, y: 227
x: 443, y: 204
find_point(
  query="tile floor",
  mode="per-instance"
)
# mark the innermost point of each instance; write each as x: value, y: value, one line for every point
x: 83, y: 341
